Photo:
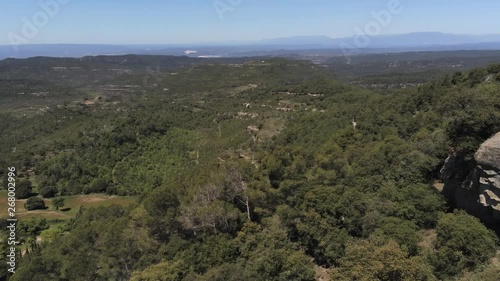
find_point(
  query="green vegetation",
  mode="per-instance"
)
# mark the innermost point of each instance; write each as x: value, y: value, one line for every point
x: 58, y: 202
x: 23, y: 189
x: 403, y: 70
x: 463, y: 242
x: 34, y: 203
x: 48, y: 191
x: 249, y: 170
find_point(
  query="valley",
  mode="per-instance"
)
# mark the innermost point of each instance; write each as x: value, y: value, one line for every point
x: 253, y: 168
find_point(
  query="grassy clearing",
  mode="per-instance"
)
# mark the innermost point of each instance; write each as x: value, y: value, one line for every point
x: 71, y: 205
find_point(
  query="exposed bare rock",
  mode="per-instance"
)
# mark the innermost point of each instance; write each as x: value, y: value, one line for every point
x: 489, y: 152
x: 479, y: 193
x: 451, y: 170
x: 253, y: 130
x: 488, y: 172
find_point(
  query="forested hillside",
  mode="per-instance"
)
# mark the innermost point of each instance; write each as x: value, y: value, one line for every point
x: 257, y: 169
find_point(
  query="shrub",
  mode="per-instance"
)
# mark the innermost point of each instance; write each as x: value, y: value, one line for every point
x: 23, y: 189
x: 463, y: 242
x: 34, y: 203
x: 58, y: 202
x: 48, y: 191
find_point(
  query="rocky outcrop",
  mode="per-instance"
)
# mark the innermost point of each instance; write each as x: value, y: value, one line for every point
x: 479, y: 192
x: 487, y: 173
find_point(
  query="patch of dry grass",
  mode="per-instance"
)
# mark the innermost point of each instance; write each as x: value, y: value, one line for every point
x: 71, y: 205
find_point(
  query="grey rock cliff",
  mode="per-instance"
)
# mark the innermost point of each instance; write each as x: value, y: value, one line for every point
x: 479, y: 193
x: 488, y: 172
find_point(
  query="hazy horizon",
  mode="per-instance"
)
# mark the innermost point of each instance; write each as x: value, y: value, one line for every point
x: 233, y: 42
x: 226, y: 21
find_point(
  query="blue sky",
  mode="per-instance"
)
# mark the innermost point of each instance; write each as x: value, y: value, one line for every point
x: 191, y: 21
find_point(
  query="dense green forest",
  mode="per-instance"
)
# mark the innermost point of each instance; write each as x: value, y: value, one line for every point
x: 402, y: 70
x: 250, y: 169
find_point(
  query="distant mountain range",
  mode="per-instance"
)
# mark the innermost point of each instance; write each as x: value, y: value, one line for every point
x: 417, y: 39
x: 422, y: 41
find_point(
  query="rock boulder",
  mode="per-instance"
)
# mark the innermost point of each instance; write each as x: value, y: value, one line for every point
x: 479, y: 193
x: 488, y: 172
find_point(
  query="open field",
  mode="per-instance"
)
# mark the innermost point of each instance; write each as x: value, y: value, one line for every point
x: 71, y: 205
